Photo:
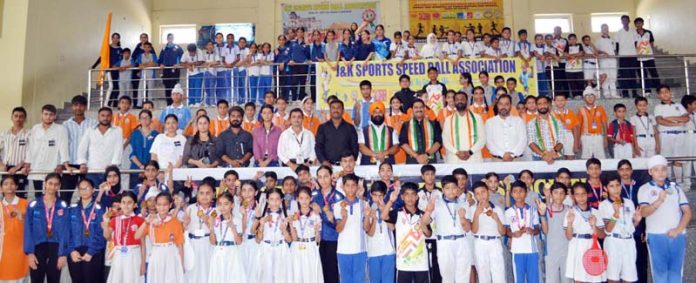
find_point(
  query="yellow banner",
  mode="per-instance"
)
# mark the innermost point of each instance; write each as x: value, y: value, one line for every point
x: 384, y: 75
x: 439, y: 16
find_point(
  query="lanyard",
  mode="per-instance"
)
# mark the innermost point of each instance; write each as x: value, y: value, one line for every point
x: 328, y: 197
x: 120, y: 233
x: 49, y: 216
x: 223, y: 232
x: 647, y: 128
x: 303, y: 224
x: 87, y: 220
x: 594, y: 192
x: 628, y: 192
x: 521, y: 215
x: 452, y: 213
x: 202, y: 212
x: 584, y: 214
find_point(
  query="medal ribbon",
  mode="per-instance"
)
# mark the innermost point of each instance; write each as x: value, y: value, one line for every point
x: 87, y: 220
x: 49, y: 216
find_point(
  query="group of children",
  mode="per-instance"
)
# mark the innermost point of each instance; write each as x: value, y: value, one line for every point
x: 337, y: 227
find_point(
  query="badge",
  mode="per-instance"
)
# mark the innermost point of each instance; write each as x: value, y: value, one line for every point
x: 60, y: 212
x: 86, y: 232
x: 594, y: 125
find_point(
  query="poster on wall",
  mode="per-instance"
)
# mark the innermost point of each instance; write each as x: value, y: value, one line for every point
x: 440, y: 16
x: 207, y: 32
x: 329, y: 16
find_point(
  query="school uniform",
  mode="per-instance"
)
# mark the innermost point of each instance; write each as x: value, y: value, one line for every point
x: 569, y: 120
x: 411, y: 255
x: 644, y: 128
x: 228, y: 54
x: 46, y: 235
x: 249, y: 246
x: 240, y: 82
x: 690, y: 148
x: 666, y: 254
x: 195, y: 77
x: 125, y: 86
x: 170, y: 56
x: 608, y: 66
x: 644, y: 47
x: 581, y: 242
x: 299, y: 53
x: 525, y: 251
x: 329, y: 236
x: 198, y: 235
x: 265, y: 81
x: 574, y: 70
x: 540, y: 69
x: 671, y: 137
x: 352, y: 241
x: 592, y: 120
x: 619, y: 244
x: 381, y: 258
x: 306, y: 263
x: 126, y: 255
x: 450, y: 50
x: 488, y: 248
x: 15, y: 267
x: 48, y: 148
x: 559, y: 68
x: 424, y: 197
x: 86, y: 237
x: 470, y: 49
x: 556, y: 245
x: 400, y: 49
x: 624, y: 131
x: 226, y: 256
x: 145, y: 85
x: 273, y: 252
x: 164, y: 261
x: 282, y: 56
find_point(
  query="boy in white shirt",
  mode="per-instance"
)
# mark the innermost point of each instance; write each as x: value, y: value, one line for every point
x: 191, y: 60
x: 398, y: 47
x: 487, y: 227
x: 126, y: 62
x: 506, y: 44
x: 352, y: 220
x: 380, y: 240
x: 411, y: 254
x: 667, y: 213
x: 689, y: 102
x: 647, y: 137
x: 671, y: 119
x: 449, y: 216
x: 522, y: 223
x: 620, y: 219
x: 451, y: 49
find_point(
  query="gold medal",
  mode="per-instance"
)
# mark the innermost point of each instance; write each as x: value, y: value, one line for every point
x: 86, y: 232
x: 13, y: 214
x: 200, y: 213
x: 214, y: 214
x: 49, y: 233
x: 489, y: 212
x: 343, y: 204
x: 108, y: 214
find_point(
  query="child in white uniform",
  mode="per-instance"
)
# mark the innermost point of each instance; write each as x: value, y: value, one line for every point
x: 381, y: 258
x: 350, y: 214
x: 552, y: 217
x: 645, y: 130
x: 128, y: 255
x: 198, y: 233
x: 226, y: 235
x: 449, y: 215
x: 580, y: 224
x: 522, y: 222
x: 306, y: 235
x: 689, y: 103
x: 487, y: 226
x: 273, y: 236
x: 246, y: 214
x: 620, y: 219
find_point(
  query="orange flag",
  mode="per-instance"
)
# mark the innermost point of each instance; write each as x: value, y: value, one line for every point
x: 105, y: 50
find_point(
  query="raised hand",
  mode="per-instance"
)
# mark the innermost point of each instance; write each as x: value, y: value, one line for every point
x: 570, y: 216
x: 431, y: 206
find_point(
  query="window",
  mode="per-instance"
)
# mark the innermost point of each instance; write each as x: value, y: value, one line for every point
x: 183, y: 34
x: 245, y: 30
x: 546, y: 23
x: 613, y: 20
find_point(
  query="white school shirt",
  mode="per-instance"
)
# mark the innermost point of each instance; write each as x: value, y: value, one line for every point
x: 229, y: 54
x: 574, y: 65
x: 589, y: 62
x: 412, y: 51
x: 47, y: 148
x: 99, y: 150
x: 446, y: 217
x: 668, y: 215
x: 691, y: 125
x: 518, y: 218
x: 292, y: 145
x: 490, y: 51
x: 607, y: 45
x: 645, y: 125
x: 193, y: 58
x: 450, y: 50
x: 627, y: 41
x: 471, y: 49
x: 382, y: 242
x: 669, y: 110
x: 425, y: 196
x: 197, y: 226
x: 168, y: 149
x: 254, y: 70
x: 506, y: 135
x: 644, y: 45
x: 126, y: 75
x: 507, y: 46
x: 624, y: 224
x: 14, y: 147
x: 541, y: 50
x: 239, y: 218
x: 353, y: 239
x: 211, y: 58
x: 242, y: 56
x: 223, y: 231
x: 271, y: 230
x: 524, y: 48
x: 581, y: 222
x: 487, y: 225
x: 399, y: 49
x: 265, y: 70
x: 304, y: 225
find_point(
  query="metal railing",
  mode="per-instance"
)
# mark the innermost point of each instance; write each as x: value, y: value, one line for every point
x: 238, y: 87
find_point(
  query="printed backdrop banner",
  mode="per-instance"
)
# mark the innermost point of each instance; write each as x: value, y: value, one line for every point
x: 439, y: 16
x: 323, y: 17
x: 384, y: 75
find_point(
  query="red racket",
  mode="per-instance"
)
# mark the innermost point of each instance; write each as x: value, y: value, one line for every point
x: 594, y: 259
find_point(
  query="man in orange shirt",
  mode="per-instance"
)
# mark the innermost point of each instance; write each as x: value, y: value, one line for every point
x: 220, y: 123
x: 593, y: 122
x: 571, y: 131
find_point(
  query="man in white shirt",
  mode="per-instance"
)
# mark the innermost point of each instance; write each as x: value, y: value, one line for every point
x: 463, y: 133
x: 296, y: 144
x: 626, y: 37
x: 100, y: 147
x: 507, y: 134
x: 644, y: 47
x: 48, y: 148
x: 606, y: 47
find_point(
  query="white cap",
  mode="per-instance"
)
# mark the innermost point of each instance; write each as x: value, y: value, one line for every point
x: 588, y: 91
x: 177, y: 89
x: 657, y: 160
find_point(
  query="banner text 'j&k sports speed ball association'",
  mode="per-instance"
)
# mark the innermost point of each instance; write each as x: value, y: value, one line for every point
x: 439, y: 16
x: 344, y: 80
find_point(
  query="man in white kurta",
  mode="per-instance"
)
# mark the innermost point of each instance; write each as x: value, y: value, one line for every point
x: 463, y: 134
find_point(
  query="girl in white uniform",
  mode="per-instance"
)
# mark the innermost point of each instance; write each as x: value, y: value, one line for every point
x: 246, y: 214
x: 581, y: 223
x: 620, y: 219
x: 273, y: 236
x: 198, y: 233
x: 128, y: 255
x: 306, y: 234
x: 226, y: 235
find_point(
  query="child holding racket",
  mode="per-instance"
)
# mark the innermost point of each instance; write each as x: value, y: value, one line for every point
x: 580, y: 226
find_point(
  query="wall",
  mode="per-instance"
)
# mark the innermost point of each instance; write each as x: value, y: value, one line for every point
x: 65, y: 38
x: 12, y: 41
x: 668, y: 20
